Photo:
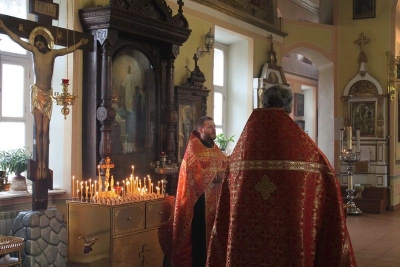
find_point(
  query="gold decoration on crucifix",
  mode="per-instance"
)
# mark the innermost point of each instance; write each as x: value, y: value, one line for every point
x: 107, y: 166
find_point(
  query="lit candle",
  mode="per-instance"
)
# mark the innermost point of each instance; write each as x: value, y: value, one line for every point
x: 77, y: 193
x: 131, y: 189
x: 100, y: 182
x: 162, y: 186
x: 77, y: 186
x: 149, y: 179
x: 91, y: 191
x: 95, y: 186
x: 349, y: 138
x: 87, y: 189
x: 90, y: 186
x: 151, y: 188
x: 73, y: 187
x: 81, y: 191
x: 358, y: 139
x: 341, y: 140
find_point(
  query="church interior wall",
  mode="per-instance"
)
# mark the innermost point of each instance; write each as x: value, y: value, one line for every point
x: 290, y: 9
x: 317, y: 43
x: 333, y: 43
x: 379, y: 31
x: 308, y: 87
x: 394, y: 154
x: 201, y: 19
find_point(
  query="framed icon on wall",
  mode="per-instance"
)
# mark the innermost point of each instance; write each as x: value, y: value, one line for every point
x: 298, y: 105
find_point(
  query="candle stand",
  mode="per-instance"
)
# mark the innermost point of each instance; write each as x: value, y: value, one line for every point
x: 350, y: 158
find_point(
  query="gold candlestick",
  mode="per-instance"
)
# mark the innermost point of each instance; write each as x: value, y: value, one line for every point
x: 73, y: 187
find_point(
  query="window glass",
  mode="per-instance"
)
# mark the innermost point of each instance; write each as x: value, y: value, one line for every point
x: 12, y: 104
x: 15, y: 8
x: 14, y: 133
x: 218, y: 67
x: 218, y: 104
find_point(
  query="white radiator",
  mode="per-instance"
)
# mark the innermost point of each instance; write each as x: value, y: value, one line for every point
x: 7, y: 219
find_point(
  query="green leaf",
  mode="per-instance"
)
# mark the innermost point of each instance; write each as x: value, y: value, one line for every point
x: 222, y: 142
x: 15, y: 160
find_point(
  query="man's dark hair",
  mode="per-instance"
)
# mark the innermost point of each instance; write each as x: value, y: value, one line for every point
x: 278, y: 97
x: 40, y: 38
x: 200, y: 122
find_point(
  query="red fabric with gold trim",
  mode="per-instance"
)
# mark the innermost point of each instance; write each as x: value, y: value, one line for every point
x: 280, y: 204
x: 199, y: 167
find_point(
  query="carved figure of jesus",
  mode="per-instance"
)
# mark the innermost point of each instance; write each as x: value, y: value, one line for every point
x: 40, y: 42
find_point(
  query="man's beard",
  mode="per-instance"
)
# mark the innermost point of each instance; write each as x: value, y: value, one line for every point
x: 42, y: 50
x: 209, y: 137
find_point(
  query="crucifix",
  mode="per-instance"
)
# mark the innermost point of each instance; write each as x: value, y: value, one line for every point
x: 107, y: 166
x: 40, y: 37
x: 362, y: 41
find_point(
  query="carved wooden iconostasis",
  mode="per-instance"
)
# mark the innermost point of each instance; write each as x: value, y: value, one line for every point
x: 365, y: 107
x: 129, y: 109
x: 271, y: 74
x: 191, y: 100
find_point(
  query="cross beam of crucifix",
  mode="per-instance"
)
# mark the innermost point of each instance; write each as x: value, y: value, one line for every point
x: 63, y: 37
x: 16, y: 28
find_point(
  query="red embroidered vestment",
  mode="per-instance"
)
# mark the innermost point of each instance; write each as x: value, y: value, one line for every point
x: 280, y: 203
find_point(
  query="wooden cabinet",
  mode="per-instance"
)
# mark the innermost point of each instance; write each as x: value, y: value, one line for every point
x: 128, y: 235
x: 129, y: 85
x: 374, y: 199
x: 192, y: 104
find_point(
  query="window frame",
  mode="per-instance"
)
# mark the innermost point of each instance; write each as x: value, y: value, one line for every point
x: 26, y: 62
x: 222, y: 89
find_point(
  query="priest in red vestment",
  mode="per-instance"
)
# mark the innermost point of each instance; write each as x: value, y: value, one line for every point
x: 197, y: 194
x: 280, y: 203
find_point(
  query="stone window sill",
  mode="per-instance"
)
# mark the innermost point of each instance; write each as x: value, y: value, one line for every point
x: 7, y: 198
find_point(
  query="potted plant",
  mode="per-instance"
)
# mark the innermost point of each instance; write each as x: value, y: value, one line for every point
x: 222, y: 141
x: 15, y: 161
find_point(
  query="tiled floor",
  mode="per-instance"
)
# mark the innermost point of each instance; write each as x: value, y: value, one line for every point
x: 376, y: 238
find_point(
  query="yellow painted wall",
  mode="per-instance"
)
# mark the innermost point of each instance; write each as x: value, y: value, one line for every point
x: 319, y: 35
x: 335, y: 43
x: 380, y: 31
x: 261, y: 48
x: 199, y: 28
x: 376, y: 29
